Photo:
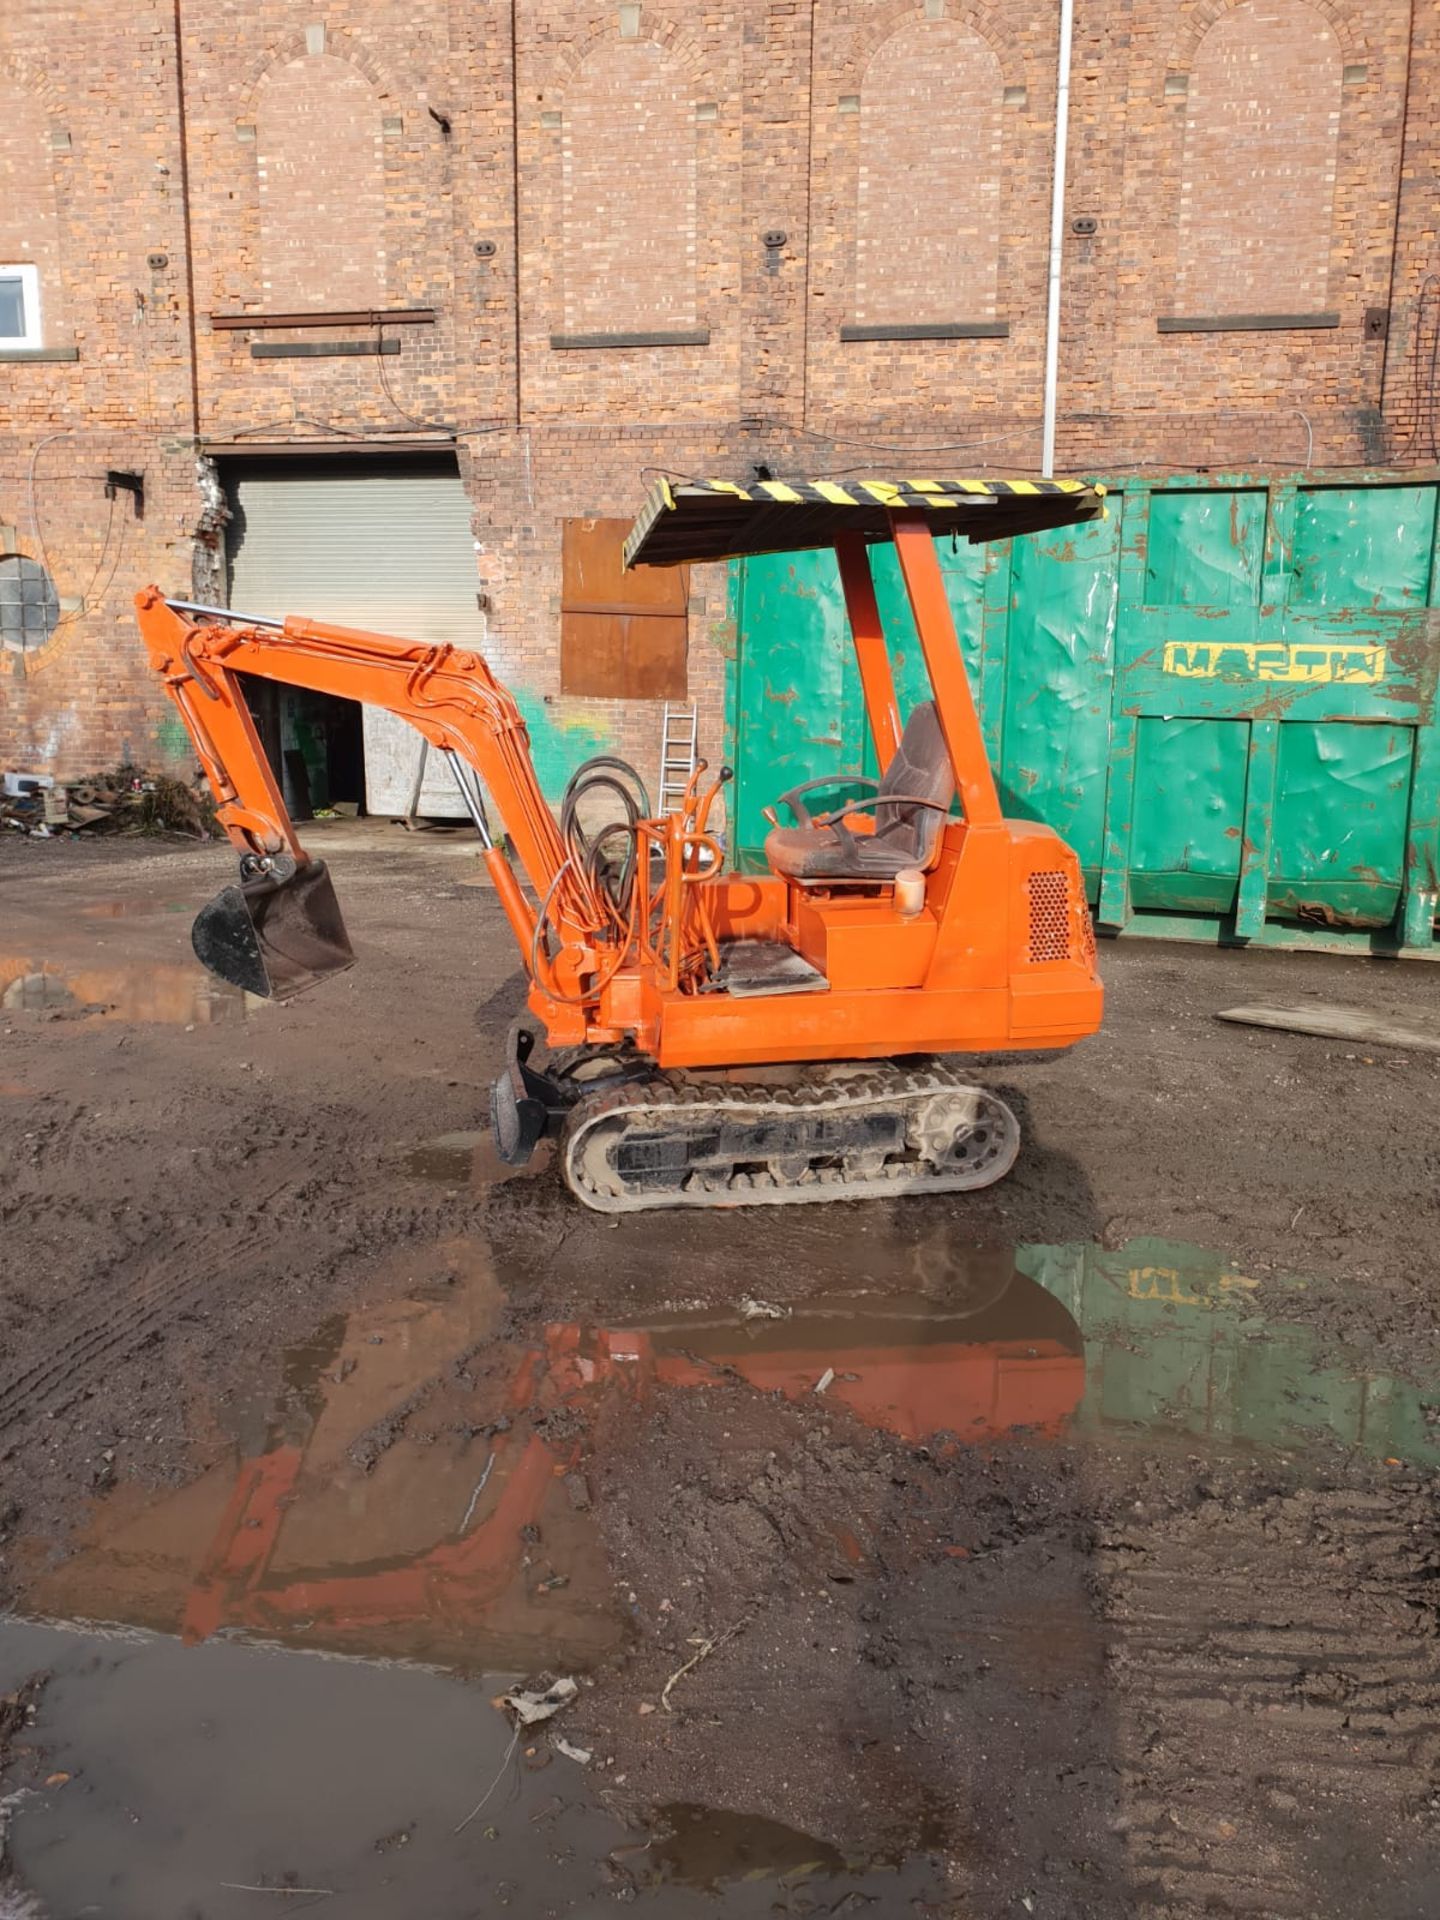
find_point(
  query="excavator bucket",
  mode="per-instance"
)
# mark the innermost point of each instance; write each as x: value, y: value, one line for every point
x: 274, y: 937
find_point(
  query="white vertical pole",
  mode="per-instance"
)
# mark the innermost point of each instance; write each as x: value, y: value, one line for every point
x: 1057, y: 236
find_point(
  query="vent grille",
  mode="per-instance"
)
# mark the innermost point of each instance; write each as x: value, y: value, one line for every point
x: 1049, y: 917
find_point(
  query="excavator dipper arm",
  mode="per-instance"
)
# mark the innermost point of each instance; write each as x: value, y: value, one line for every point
x: 447, y: 693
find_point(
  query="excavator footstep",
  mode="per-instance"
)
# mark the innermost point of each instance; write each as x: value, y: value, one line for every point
x: 750, y: 969
x: 274, y: 937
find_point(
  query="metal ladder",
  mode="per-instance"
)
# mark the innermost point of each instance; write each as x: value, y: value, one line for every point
x: 677, y: 753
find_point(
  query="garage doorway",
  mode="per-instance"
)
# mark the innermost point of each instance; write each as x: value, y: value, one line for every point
x: 383, y: 542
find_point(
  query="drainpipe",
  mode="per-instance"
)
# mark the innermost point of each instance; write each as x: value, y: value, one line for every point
x: 1057, y: 235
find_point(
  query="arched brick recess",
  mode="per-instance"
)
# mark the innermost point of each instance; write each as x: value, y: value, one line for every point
x: 927, y: 200
x: 1197, y: 21
x: 884, y: 22
x: 339, y: 45
x: 30, y: 230
x: 628, y: 200
x: 1260, y: 150
x: 321, y: 186
x: 658, y: 29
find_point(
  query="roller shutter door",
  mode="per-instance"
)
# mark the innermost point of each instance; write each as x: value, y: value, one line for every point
x: 385, y: 544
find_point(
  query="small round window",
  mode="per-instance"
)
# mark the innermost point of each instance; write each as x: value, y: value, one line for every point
x: 29, y: 608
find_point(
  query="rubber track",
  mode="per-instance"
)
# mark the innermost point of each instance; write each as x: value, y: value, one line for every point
x: 883, y: 1087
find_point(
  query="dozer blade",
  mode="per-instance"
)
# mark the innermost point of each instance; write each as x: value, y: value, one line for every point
x: 274, y: 937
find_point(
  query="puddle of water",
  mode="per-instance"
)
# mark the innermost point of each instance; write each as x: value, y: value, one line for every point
x: 470, y: 1159
x: 225, y: 1779
x: 413, y: 1487
x: 409, y: 1491
x: 1177, y: 1339
x: 174, y: 995
x: 198, y: 1775
x: 710, y: 1848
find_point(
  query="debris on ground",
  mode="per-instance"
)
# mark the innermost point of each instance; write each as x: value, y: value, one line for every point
x: 706, y: 1647
x: 762, y: 1310
x: 1327, y: 1022
x: 126, y: 800
x: 582, y: 1756
x: 530, y: 1706
x: 18, y: 1710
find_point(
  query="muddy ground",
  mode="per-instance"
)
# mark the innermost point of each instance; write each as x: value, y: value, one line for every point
x: 1100, y: 1576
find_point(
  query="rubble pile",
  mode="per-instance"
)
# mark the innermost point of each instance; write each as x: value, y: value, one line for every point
x: 125, y: 800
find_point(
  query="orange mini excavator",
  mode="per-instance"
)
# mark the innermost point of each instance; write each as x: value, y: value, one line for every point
x: 911, y: 924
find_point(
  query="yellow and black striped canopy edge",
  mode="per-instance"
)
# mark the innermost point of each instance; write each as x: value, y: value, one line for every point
x: 696, y: 520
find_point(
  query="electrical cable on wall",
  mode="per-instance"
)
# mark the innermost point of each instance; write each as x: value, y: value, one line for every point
x: 358, y: 434
x: 90, y: 601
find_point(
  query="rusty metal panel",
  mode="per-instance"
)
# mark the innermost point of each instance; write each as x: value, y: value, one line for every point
x: 1363, y: 548
x: 622, y: 635
x: 594, y: 578
x: 1060, y: 620
x: 1204, y: 549
x: 1222, y: 695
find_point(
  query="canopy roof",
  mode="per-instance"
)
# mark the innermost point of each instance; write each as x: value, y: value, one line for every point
x: 721, y: 520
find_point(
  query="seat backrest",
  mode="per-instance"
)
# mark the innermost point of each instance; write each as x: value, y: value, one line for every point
x: 921, y: 768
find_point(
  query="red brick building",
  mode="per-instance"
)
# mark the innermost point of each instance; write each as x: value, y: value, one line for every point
x: 541, y: 252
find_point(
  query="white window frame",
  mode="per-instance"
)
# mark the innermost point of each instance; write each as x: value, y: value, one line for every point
x: 29, y: 278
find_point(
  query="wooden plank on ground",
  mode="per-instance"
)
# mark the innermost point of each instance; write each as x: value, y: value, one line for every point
x: 1337, y: 1023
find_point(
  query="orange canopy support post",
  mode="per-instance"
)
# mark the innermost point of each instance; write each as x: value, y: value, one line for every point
x: 959, y: 722
x: 876, y: 677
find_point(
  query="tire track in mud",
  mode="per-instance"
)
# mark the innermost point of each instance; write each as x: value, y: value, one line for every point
x: 106, y: 1330
x: 155, y: 1273
x: 145, y: 1290
x: 1274, y: 1682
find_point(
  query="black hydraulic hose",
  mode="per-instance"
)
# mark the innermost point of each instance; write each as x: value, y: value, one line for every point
x: 618, y: 765
x: 620, y: 887
x: 587, y: 853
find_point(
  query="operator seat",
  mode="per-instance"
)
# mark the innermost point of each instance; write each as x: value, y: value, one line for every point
x: 910, y: 805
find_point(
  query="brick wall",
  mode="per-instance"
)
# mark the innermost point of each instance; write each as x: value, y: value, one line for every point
x: 931, y: 254
x: 760, y: 175
x: 1258, y: 157
x: 90, y: 187
x: 320, y: 180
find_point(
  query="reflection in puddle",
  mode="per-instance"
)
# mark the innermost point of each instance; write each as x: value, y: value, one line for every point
x: 461, y: 1159
x: 175, y: 995
x: 416, y: 1485
x: 1178, y: 1340
x: 909, y: 1365
x: 358, y: 1521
